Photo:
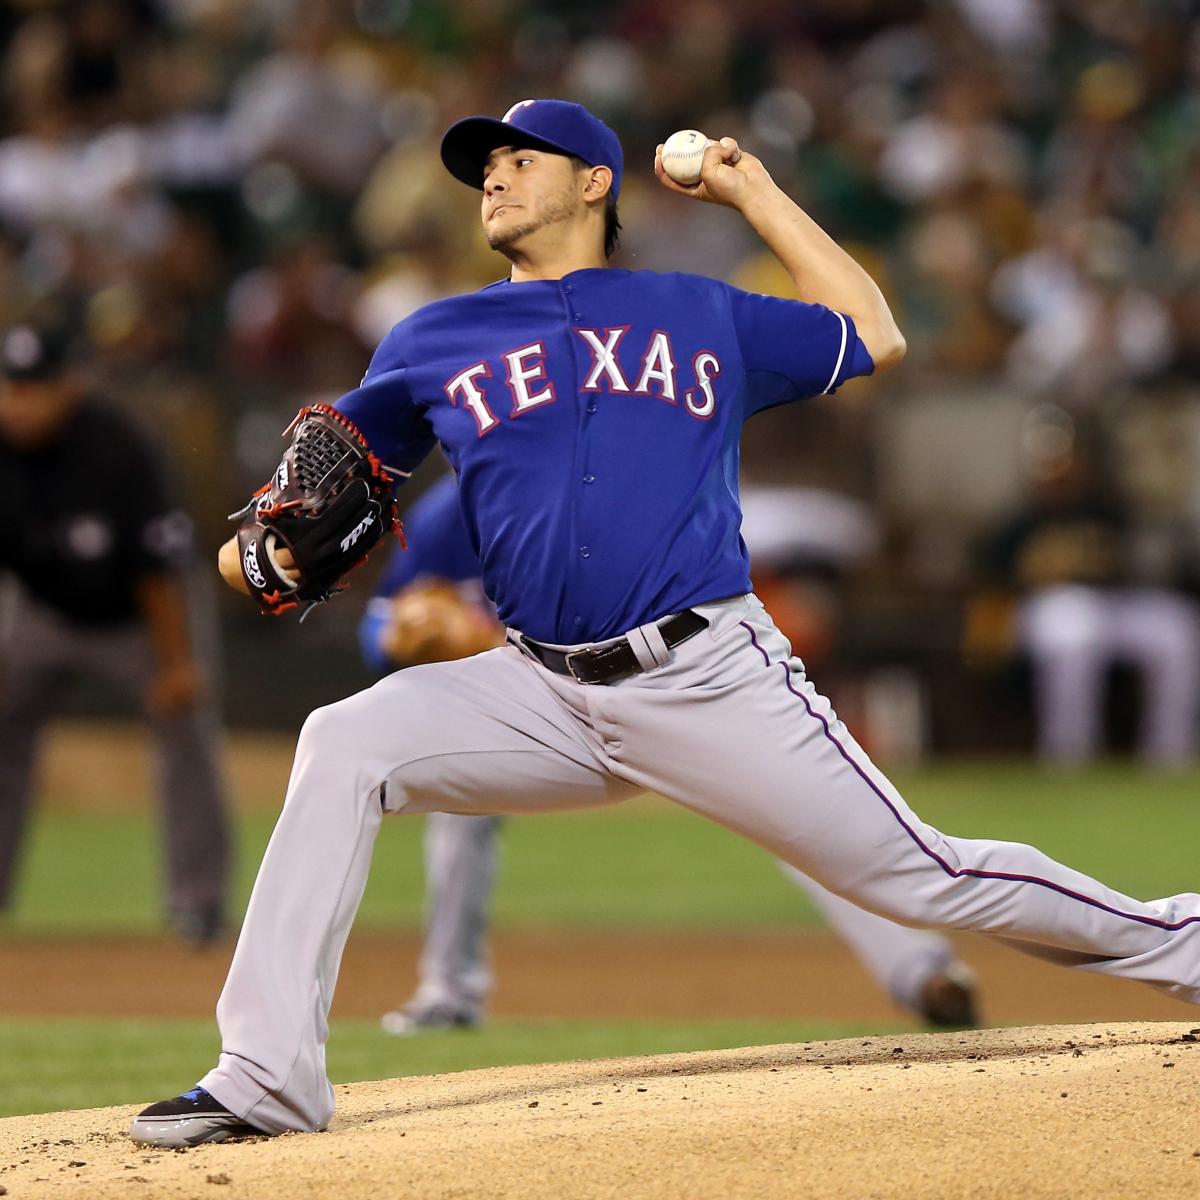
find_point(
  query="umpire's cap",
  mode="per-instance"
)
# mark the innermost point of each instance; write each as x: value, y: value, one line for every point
x: 32, y: 352
x: 555, y: 125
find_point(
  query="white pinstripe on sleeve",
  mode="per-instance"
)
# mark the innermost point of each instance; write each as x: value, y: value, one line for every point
x: 841, y: 354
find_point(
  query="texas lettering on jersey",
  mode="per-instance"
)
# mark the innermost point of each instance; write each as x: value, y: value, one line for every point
x: 529, y: 380
x: 592, y: 423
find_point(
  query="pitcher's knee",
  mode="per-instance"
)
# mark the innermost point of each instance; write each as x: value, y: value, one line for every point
x: 321, y: 728
x: 345, y: 744
x: 408, y: 706
x: 345, y: 728
x: 317, y: 745
x: 333, y: 751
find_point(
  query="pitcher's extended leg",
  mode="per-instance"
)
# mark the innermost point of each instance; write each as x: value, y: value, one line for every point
x: 765, y: 755
x: 460, y: 735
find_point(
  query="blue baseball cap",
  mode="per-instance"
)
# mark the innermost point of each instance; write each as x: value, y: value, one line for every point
x: 555, y: 125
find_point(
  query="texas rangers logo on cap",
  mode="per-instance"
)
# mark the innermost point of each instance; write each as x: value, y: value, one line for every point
x: 519, y: 104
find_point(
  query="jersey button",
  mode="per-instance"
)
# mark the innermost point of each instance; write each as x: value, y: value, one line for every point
x: 578, y: 316
x: 591, y: 407
x: 589, y: 479
x: 584, y: 552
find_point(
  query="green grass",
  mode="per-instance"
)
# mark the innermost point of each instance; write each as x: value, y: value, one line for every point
x: 645, y: 864
x: 1135, y: 831
x: 46, y: 1065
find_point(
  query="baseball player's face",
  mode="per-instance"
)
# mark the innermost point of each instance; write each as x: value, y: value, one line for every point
x: 525, y: 191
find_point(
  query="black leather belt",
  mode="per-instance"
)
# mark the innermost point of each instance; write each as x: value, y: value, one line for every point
x: 616, y: 660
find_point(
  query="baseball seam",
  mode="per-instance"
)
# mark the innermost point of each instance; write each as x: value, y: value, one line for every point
x: 682, y: 158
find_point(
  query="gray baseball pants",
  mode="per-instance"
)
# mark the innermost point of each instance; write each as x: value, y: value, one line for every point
x: 460, y: 872
x: 726, y: 725
x: 40, y: 651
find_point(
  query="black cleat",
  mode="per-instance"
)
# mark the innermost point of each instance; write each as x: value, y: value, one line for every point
x: 188, y: 1120
x: 948, y: 999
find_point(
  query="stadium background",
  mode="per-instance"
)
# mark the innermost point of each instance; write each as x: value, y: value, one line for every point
x: 232, y: 201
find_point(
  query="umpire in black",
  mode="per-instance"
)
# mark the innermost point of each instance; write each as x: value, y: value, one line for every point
x: 91, y: 582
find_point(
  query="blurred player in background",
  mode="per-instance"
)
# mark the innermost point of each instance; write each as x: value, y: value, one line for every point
x: 1068, y: 588
x: 430, y: 606
x: 91, y: 574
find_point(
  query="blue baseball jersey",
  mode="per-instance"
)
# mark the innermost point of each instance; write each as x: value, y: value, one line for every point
x: 438, y: 543
x: 593, y: 423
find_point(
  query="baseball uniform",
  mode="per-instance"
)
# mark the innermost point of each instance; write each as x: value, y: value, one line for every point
x: 461, y: 852
x: 592, y: 420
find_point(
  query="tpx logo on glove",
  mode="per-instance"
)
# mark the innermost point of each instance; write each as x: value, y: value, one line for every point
x: 250, y: 565
x: 356, y: 532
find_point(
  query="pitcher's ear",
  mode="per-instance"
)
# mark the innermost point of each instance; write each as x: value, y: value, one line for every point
x: 599, y: 181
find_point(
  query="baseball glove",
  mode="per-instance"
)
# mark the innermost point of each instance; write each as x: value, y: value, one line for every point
x: 328, y: 503
x: 432, y: 622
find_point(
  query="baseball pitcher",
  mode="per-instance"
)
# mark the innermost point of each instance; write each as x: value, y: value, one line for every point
x: 592, y: 418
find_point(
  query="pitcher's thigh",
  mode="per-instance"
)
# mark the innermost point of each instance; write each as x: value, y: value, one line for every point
x: 479, y: 735
x: 767, y: 757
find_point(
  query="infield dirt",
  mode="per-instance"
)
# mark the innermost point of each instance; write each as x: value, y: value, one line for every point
x: 1044, y: 1112
x: 558, y: 975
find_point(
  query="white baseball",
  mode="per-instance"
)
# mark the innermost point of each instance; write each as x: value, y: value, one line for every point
x: 682, y: 154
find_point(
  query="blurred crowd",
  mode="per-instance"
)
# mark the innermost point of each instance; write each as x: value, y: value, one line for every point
x: 232, y: 200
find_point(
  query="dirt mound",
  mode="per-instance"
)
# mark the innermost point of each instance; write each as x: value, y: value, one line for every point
x: 1050, y: 1111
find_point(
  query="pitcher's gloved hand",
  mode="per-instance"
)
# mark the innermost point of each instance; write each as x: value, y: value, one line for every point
x: 328, y: 503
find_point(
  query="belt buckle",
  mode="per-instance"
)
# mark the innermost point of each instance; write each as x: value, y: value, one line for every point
x: 567, y: 659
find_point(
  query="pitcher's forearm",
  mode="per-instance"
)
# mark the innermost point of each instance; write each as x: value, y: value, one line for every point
x: 822, y: 271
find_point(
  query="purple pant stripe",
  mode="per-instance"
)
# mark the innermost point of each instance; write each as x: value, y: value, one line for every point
x: 928, y: 851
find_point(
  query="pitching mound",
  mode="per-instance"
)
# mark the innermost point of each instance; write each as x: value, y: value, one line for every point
x: 1051, y: 1111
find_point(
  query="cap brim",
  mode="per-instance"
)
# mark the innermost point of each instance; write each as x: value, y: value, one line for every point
x: 467, y: 144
